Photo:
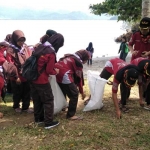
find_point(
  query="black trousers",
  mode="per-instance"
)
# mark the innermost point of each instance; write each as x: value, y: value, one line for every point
x: 147, y: 94
x: 21, y: 92
x: 125, y: 92
x: 43, y: 101
x: 72, y: 92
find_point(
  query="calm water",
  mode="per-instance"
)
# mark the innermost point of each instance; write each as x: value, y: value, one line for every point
x: 77, y: 34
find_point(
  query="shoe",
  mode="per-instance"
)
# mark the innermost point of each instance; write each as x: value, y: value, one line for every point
x: 124, y: 109
x: 147, y: 107
x: 51, y: 125
x: 18, y: 110
x: 29, y: 110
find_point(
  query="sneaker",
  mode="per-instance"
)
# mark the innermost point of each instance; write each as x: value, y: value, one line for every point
x: 29, y: 110
x: 18, y: 110
x: 51, y: 125
x: 147, y: 107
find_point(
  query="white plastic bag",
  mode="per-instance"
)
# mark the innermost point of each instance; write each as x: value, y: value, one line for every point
x: 96, y: 86
x: 59, y: 99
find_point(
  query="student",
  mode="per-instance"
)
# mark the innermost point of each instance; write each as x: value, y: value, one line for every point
x: 70, y: 77
x: 125, y: 75
x: 41, y: 91
x: 90, y: 49
x: 144, y: 80
x: 123, y: 50
x: 139, y: 43
x: 17, y: 54
x: 8, y: 39
x: 7, y: 70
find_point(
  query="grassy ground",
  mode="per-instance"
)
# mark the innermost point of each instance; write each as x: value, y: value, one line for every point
x: 99, y: 130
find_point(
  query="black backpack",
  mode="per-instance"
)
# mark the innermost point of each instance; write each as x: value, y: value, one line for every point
x: 30, y: 68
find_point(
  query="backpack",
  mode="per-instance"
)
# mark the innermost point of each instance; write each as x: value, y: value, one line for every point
x: 126, y: 49
x: 30, y: 68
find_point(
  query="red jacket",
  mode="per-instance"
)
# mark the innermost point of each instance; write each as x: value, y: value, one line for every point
x: 47, y: 61
x: 139, y: 46
x: 67, y: 71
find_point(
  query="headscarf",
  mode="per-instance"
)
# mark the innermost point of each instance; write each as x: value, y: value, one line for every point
x: 83, y: 54
x: 57, y: 41
x: 16, y: 35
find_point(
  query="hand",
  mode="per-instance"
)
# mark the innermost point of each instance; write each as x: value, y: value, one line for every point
x: 118, y: 113
x: 134, y: 52
x: 145, y: 54
x: 57, y: 70
x: 83, y: 96
x: 18, y: 81
x: 1, y: 115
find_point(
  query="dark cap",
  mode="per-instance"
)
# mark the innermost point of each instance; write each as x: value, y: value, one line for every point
x: 50, y: 32
x: 145, y: 23
x: 131, y: 76
x: 4, y: 44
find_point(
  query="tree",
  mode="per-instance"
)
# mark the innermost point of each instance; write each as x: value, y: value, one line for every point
x: 145, y: 8
x: 126, y: 10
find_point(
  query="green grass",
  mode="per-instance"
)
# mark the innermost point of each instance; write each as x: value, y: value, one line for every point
x: 99, y: 130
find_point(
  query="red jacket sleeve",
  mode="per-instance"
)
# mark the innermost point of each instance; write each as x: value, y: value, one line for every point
x: 51, y: 64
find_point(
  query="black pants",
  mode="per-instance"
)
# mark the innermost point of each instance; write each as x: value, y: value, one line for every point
x: 21, y: 92
x: 123, y: 56
x: 125, y: 93
x: 43, y: 101
x: 89, y: 62
x: 72, y: 92
x: 147, y: 94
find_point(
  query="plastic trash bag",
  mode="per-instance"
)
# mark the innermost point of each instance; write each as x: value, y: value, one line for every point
x: 59, y: 99
x: 96, y: 87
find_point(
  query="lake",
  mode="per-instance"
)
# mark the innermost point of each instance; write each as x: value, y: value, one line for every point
x: 77, y: 33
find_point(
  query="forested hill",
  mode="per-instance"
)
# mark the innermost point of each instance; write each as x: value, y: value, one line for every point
x: 29, y: 14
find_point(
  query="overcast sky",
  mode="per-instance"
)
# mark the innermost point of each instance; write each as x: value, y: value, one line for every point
x: 70, y: 5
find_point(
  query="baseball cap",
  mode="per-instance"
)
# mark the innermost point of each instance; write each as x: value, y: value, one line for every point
x: 131, y: 77
x: 145, y: 23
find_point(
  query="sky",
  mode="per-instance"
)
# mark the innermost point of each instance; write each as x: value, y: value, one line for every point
x: 54, y: 5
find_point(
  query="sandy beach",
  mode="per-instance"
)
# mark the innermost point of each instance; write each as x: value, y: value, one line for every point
x: 99, y: 63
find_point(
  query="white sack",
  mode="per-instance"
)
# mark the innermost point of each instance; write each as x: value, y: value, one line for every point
x: 96, y: 87
x: 59, y: 99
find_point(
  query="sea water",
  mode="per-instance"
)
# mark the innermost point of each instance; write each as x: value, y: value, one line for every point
x: 77, y: 34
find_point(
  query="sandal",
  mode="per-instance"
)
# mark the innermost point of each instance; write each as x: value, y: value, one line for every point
x: 124, y: 109
x: 76, y: 118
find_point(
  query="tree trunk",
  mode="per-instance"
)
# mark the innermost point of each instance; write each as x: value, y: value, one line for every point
x: 145, y: 8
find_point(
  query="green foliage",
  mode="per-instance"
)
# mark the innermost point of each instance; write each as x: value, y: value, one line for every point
x: 126, y: 10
